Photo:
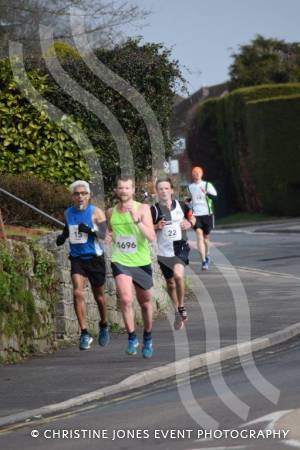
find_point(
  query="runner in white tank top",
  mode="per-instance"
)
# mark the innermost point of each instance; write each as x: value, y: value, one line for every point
x: 171, y: 219
x: 201, y: 192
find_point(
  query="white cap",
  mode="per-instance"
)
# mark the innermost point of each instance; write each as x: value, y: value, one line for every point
x: 77, y: 183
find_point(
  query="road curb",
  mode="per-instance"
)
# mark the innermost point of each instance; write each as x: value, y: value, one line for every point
x: 274, y: 230
x: 288, y: 221
x: 147, y: 377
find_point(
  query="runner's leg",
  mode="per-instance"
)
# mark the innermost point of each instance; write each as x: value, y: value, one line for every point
x: 171, y: 289
x: 179, y: 282
x: 200, y: 243
x: 78, y: 282
x: 103, y: 337
x: 144, y: 299
x: 124, y: 289
x: 207, y: 244
x: 101, y: 302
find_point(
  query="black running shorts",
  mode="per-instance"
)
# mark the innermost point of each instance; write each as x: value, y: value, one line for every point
x: 167, y: 263
x: 205, y: 223
x: 93, y: 269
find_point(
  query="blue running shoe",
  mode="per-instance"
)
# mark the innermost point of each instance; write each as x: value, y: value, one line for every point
x: 132, y: 346
x: 103, y: 338
x: 147, y: 350
x: 204, y: 265
x: 207, y: 260
x: 85, y: 341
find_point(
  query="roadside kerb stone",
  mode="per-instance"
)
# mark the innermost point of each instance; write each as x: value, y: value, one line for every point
x: 170, y: 370
x: 290, y: 421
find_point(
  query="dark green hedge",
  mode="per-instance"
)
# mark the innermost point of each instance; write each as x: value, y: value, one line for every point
x: 226, y: 120
x: 273, y: 134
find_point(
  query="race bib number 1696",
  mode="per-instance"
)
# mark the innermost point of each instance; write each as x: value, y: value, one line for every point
x: 126, y: 244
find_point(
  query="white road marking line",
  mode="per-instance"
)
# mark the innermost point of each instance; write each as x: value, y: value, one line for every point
x: 218, y: 448
x: 261, y: 271
x: 270, y: 418
x: 292, y: 443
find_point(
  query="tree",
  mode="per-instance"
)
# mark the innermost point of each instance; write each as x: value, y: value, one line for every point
x: 20, y: 20
x: 31, y: 143
x: 264, y: 61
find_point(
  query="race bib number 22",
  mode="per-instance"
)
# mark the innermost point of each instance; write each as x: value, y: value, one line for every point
x: 172, y: 232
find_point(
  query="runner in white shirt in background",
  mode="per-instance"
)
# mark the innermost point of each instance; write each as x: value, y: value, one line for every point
x: 201, y: 191
x: 171, y: 219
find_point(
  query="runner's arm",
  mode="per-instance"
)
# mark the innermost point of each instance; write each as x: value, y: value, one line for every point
x: 109, y: 232
x: 145, y: 223
x: 210, y: 190
x: 61, y: 238
x: 188, y: 214
x: 99, y: 220
x: 158, y: 222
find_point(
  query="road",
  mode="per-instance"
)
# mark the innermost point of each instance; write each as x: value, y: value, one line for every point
x: 170, y: 416
x: 153, y: 415
x: 276, y: 252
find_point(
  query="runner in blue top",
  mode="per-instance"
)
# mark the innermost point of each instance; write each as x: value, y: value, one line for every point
x: 85, y: 226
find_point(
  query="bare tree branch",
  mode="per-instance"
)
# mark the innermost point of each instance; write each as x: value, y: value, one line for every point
x: 104, y: 19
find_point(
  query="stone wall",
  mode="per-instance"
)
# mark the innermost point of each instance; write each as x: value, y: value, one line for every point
x: 66, y: 325
x: 27, y: 298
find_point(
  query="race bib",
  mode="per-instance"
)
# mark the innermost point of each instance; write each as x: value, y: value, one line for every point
x: 172, y: 231
x: 126, y: 244
x: 77, y: 237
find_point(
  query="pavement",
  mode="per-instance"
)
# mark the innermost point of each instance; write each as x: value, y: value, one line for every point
x: 286, y: 225
x: 46, y: 384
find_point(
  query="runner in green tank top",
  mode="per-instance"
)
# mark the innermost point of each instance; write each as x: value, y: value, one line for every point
x: 130, y: 228
x: 130, y: 246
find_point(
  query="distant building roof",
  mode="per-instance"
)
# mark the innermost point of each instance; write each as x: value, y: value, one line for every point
x: 184, y: 109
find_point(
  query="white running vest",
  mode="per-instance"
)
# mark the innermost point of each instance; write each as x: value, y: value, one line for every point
x: 170, y: 233
x: 199, y: 200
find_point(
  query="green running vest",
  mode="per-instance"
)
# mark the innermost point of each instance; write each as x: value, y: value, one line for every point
x: 130, y: 247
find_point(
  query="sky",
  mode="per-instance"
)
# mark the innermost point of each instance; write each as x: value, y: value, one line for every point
x: 203, y: 33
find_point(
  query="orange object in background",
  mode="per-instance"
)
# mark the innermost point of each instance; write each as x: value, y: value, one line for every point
x: 197, y: 169
x: 189, y: 214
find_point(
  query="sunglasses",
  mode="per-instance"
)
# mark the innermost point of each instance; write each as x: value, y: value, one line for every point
x: 83, y: 194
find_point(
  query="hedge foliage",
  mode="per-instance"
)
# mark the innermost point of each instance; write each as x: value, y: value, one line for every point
x: 228, y: 120
x: 274, y: 138
x: 147, y: 68
x: 30, y: 142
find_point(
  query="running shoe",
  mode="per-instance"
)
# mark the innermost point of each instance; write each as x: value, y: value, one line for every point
x: 147, y: 350
x: 204, y: 265
x: 103, y: 338
x: 183, y: 313
x: 178, y: 323
x: 207, y: 260
x: 85, y: 341
x: 132, y: 346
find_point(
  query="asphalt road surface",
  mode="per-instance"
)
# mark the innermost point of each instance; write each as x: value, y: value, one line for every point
x: 163, y: 416
x: 179, y: 416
